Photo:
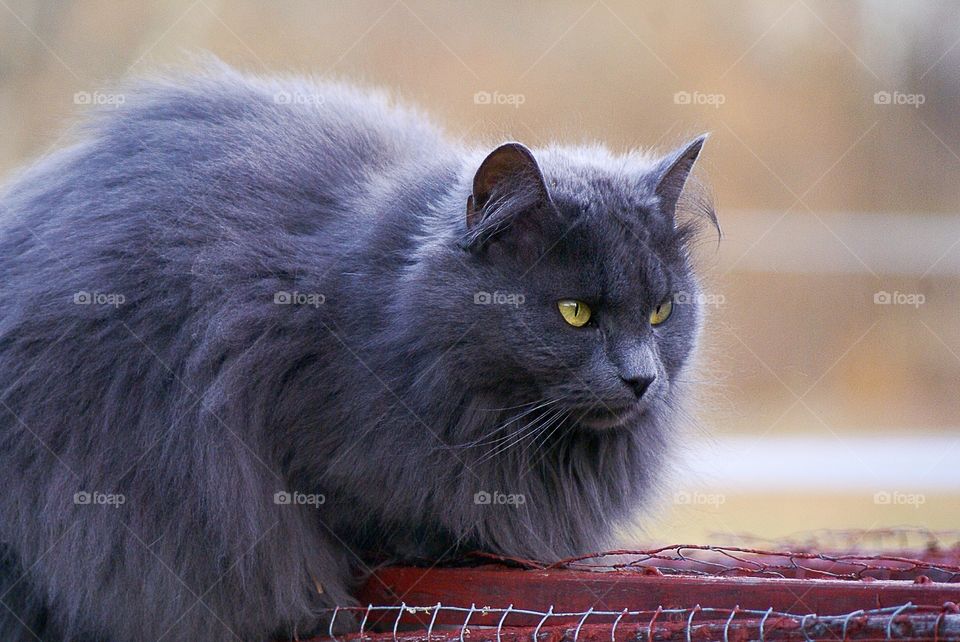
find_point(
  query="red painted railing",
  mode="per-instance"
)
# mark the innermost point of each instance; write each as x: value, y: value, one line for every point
x: 685, y: 592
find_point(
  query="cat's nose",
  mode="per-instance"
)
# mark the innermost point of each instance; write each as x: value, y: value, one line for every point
x: 639, y: 385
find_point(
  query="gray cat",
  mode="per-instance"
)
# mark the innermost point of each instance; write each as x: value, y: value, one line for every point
x: 254, y: 331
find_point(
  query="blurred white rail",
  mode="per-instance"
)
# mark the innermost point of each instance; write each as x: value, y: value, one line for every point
x: 887, y: 244
x: 849, y: 463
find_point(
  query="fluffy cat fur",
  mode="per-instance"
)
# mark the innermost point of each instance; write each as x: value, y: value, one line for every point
x: 231, y: 287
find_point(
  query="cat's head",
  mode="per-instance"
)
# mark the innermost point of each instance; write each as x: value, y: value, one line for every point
x: 580, y: 287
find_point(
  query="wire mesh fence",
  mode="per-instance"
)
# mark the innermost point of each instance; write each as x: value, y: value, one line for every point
x: 906, y: 621
x: 825, y: 585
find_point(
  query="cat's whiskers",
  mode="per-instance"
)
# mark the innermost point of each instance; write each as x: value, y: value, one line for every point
x: 492, y: 438
x: 498, y: 444
x: 523, y: 405
x: 546, y: 439
x: 530, y: 428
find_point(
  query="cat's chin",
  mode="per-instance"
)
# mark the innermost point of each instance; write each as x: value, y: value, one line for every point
x: 605, y: 419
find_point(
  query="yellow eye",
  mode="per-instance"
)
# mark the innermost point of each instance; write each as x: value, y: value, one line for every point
x: 661, y: 313
x: 574, y: 312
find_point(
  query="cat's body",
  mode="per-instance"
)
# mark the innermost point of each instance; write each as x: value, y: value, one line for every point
x: 231, y: 288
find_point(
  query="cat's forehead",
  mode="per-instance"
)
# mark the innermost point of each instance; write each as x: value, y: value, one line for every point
x: 600, y: 254
x: 596, y: 180
x: 614, y: 238
x: 608, y: 199
x: 618, y: 269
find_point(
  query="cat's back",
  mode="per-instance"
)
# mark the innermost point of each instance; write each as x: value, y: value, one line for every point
x: 193, y: 173
x: 188, y: 147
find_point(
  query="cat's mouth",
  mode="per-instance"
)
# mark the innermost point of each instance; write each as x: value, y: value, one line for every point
x: 605, y: 416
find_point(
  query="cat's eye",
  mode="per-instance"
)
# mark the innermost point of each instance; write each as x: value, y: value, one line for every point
x: 662, y: 312
x: 576, y: 313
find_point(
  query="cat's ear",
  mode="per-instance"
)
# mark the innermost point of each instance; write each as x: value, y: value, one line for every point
x: 507, y: 184
x: 672, y: 171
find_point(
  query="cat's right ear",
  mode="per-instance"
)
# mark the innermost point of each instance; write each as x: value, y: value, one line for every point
x: 672, y: 172
x: 507, y: 185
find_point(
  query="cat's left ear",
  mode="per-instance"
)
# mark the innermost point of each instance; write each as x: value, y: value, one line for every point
x: 508, y: 189
x: 671, y: 173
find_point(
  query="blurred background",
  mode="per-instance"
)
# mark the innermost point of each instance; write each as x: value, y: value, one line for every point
x: 832, y: 351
